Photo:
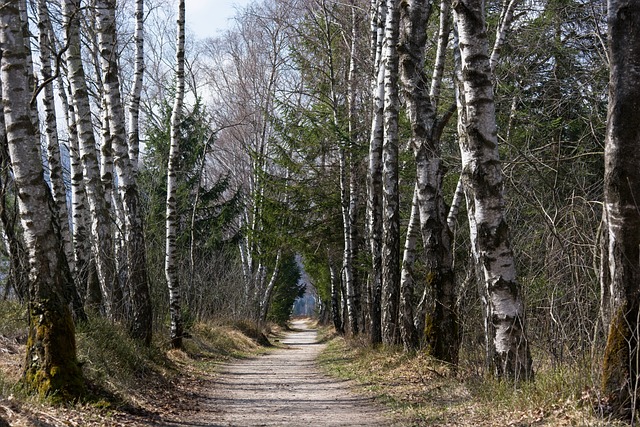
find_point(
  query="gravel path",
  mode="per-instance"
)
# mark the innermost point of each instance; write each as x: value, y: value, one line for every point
x: 285, y: 388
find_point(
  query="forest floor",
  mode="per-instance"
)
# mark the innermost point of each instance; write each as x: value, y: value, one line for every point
x: 228, y: 375
x: 282, y: 386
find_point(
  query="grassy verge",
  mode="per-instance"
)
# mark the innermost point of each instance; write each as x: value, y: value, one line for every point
x: 421, y: 391
x: 129, y: 384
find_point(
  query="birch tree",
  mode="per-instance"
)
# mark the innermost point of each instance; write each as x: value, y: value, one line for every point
x: 58, y: 188
x: 170, y: 264
x: 136, y: 89
x: 348, y: 191
x: 102, y: 243
x: 622, y: 192
x: 17, y: 274
x: 138, y: 283
x: 482, y: 172
x: 390, y: 193
x: 51, y: 366
x: 442, y: 324
x: 374, y: 182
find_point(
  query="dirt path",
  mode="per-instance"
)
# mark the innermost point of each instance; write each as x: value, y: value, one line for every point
x: 285, y: 388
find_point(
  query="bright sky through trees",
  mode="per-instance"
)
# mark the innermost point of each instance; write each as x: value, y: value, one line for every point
x: 206, y: 18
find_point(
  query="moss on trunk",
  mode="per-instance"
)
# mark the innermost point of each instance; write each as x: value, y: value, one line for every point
x: 52, y: 369
x: 619, y: 367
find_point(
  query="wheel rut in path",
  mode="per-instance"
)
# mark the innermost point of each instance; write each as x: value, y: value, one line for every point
x: 286, y: 388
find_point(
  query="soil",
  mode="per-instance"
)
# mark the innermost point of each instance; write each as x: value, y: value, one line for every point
x: 284, y: 388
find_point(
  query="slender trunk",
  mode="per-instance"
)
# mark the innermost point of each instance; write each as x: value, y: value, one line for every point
x: 51, y: 367
x: 140, y: 299
x: 56, y: 179
x: 458, y: 195
x: 482, y: 171
x: 170, y: 263
x: 136, y: 90
x: 408, y: 331
x: 102, y: 244
x: 441, y: 324
x: 81, y: 246
x: 352, y: 166
x: 18, y: 270
x: 335, y: 300
x: 390, y: 192
x: 374, y: 202
x: 58, y: 188
x: 345, y: 190
x: 620, y: 366
x: 265, y: 302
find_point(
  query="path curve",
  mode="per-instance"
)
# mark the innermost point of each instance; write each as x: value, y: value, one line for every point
x: 286, y: 388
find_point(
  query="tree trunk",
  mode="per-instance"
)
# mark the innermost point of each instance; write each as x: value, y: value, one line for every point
x: 136, y: 90
x: 482, y: 171
x: 141, y: 321
x: 102, y: 243
x: 265, y: 301
x: 92, y: 295
x: 408, y: 331
x: 335, y: 300
x: 18, y: 272
x: 622, y: 192
x: 390, y: 193
x: 441, y: 327
x: 170, y: 262
x: 58, y: 188
x: 374, y: 202
x: 51, y: 366
x: 352, y: 210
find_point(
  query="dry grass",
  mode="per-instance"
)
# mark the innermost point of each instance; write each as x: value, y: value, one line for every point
x: 422, y: 391
x: 130, y: 385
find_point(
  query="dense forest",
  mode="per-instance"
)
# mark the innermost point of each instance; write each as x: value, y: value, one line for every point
x: 454, y: 178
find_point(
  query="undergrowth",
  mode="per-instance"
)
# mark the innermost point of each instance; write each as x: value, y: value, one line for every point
x: 423, y: 391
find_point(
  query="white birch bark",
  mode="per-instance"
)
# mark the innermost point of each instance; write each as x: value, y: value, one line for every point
x: 51, y: 365
x: 390, y: 193
x: 32, y: 79
x: 482, y: 172
x: 265, y: 302
x: 442, y: 324
x: 102, y: 244
x: 346, y: 192
x: 141, y: 321
x: 408, y: 331
x: 79, y: 211
x: 18, y: 271
x: 136, y: 90
x: 374, y: 182
x: 352, y: 166
x: 58, y: 188
x: 170, y: 262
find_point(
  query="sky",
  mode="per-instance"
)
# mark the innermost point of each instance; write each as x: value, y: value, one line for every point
x: 206, y: 18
